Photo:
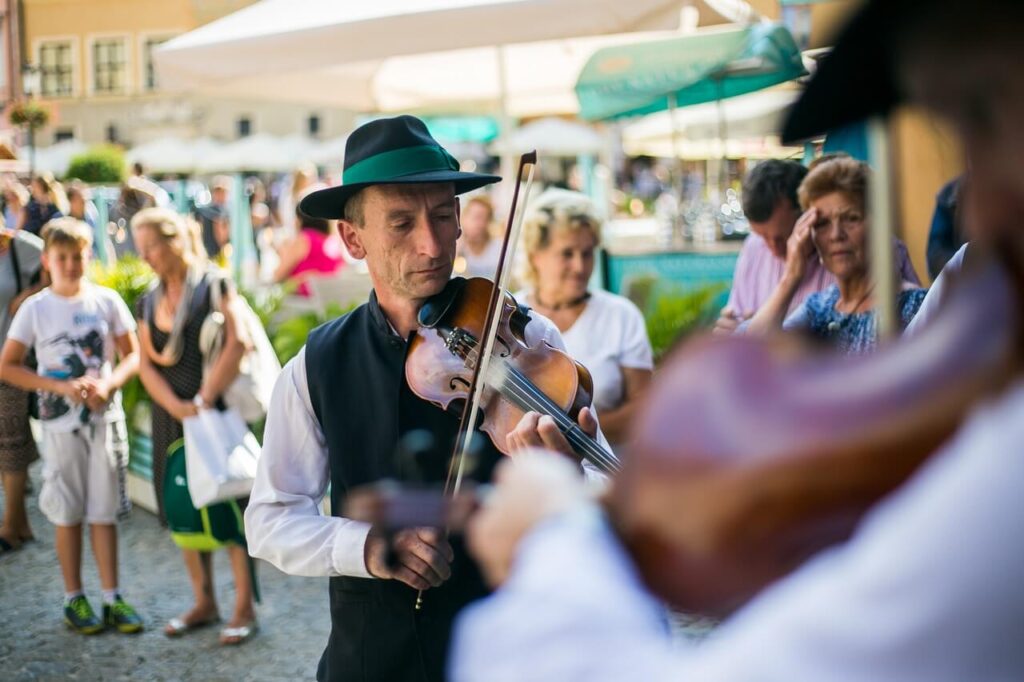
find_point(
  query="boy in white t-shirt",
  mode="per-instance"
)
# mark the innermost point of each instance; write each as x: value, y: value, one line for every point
x: 75, y: 327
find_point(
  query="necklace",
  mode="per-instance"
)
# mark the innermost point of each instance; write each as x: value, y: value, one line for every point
x: 561, y: 306
x: 834, y: 324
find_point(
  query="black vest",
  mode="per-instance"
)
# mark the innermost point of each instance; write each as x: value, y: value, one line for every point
x: 355, y: 372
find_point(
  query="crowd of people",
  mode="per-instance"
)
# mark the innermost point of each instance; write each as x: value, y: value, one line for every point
x: 894, y: 601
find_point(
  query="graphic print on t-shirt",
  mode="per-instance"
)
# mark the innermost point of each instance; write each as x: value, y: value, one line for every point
x: 79, y: 356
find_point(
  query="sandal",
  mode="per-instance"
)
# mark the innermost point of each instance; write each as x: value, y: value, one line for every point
x: 6, y: 547
x: 233, y: 636
x: 176, y: 627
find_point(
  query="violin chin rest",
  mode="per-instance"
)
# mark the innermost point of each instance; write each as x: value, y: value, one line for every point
x: 437, y: 306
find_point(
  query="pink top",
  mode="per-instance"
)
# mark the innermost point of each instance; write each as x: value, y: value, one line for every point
x: 758, y: 272
x: 324, y: 257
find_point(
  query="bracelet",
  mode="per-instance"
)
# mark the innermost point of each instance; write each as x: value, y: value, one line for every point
x: 199, y: 402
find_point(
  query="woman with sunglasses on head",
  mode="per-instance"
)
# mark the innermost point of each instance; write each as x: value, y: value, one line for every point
x: 834, y: 224
x: 603, y: 331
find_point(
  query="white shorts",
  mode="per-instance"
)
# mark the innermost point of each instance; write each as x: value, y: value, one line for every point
x: 83, y: 474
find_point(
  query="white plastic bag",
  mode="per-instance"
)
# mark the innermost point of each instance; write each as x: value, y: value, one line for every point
x: 220, y: 456
x: 250, y: 392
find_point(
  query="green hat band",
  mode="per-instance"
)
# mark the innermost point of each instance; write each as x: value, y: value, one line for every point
x: 399, y: 162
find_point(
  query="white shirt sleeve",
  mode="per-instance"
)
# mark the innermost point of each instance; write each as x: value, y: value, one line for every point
x: 636, y: 350
x: 283, y: 522
x: 937, y: 294
x: 928, y: 590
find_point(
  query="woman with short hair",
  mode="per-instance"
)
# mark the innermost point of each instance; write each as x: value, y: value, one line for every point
x: 835, y: 224
x: 603, y: 331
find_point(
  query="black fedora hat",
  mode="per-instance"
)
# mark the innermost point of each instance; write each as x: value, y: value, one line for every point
x: 861, y: 76
x: 857, y: 79
x: 392, y: 151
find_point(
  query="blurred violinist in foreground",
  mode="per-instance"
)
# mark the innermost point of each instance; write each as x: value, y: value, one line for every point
x: 928, y: 586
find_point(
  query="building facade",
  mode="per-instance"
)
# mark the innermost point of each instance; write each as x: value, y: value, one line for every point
x: 94, y: 66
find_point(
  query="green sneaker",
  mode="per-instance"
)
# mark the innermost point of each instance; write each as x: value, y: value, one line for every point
x: 81, y: 618
x: 122, y: 616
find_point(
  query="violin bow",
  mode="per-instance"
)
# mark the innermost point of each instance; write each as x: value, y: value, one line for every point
x: 471, y: 409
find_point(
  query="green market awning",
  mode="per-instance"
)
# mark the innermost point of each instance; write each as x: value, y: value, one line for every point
x: 480, y: 129
x: 643, y: 78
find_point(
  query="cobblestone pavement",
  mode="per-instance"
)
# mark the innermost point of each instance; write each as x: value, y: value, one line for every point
x: 35, y: 644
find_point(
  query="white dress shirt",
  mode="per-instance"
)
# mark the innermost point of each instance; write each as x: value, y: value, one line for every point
x: 283, y: 523
x: 937, y: 294
x: 928, y: 590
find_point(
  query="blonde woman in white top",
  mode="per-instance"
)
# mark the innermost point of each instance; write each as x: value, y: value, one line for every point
x: 603, y: 331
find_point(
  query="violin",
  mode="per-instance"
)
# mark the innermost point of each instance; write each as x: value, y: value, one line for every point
x: 445, y: 351
x: 750, y: 455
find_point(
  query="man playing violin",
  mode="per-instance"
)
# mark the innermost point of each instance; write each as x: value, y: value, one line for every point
x: 341, y: 406
x: 928, y: 588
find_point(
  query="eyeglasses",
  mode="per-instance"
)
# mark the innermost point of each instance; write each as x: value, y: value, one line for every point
x: 847, y: 220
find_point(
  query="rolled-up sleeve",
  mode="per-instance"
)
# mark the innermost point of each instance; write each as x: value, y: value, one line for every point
x: 283, y: 523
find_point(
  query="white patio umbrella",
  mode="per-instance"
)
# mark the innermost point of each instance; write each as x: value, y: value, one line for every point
x: 551, y: 136
x: 329, y: 152
x: 285, y: 36
x: 57, y: 157
x: 754, y: 119
x: 333, y: 51
x: 712, y: 149
x: 172, y: 154
x: 260, y: 153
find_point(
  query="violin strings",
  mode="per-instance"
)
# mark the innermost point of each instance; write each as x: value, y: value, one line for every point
x: 524, y: 389
x: 531, y: 398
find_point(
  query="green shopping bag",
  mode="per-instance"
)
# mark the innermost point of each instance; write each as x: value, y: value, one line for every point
x: 203, y: 529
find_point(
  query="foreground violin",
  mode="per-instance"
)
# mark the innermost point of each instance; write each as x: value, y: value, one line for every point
x: 751, y: 455
x: 446, y: 349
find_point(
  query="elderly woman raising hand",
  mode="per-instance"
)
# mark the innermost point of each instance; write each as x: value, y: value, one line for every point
x: 836, y: 226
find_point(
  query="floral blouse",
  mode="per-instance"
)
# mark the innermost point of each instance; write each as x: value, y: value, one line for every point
x: 853, y: 333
